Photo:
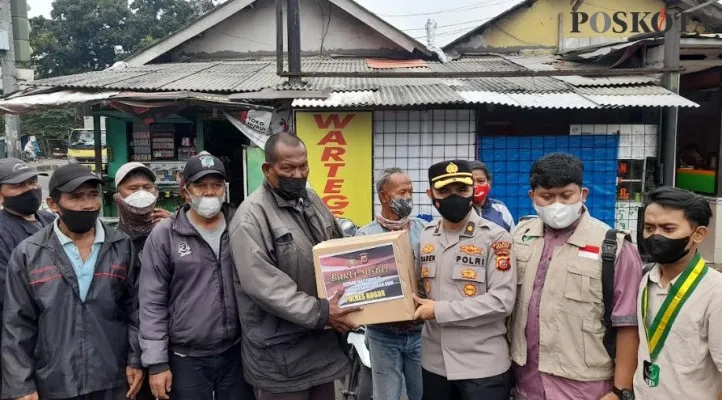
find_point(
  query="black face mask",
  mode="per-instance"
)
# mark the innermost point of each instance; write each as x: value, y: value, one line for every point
x: 665, y: 250
x: 79, y: 221
x: 26, y: 203
x: 291, y: 188
x: 454, y: 208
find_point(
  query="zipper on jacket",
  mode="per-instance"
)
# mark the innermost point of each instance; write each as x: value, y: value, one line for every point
x: 219, y: 269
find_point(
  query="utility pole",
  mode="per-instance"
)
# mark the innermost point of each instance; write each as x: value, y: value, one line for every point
x: 670, y: 115
x: 294, y: 41
x: 9, y: 79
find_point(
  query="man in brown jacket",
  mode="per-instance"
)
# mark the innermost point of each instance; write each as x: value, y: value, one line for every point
x: 287, y: 352
x: 558, y: 328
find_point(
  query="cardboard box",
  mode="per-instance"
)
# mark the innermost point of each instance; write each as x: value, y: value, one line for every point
x: 377, y: 272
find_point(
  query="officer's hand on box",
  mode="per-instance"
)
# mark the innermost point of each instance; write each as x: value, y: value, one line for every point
x: 337, y: 316
x: 424, y: 309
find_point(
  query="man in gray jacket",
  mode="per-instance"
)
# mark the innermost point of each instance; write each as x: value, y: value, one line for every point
x: 190, y: 331
x: 287, y: 352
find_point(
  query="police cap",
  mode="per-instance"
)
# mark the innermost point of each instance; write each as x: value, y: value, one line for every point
x: 448, y: 172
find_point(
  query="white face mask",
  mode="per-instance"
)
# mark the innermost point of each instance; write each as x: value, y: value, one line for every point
x: 141, y: 199
x: 207, y: 207
x: 558, y: 215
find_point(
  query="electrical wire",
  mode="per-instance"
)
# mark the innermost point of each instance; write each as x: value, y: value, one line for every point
x: 450, y: 10
x: 516, y: 38
x: 447, y: 33
x: 446, y: 26
x: 246, y: 39
x: 598, y: 6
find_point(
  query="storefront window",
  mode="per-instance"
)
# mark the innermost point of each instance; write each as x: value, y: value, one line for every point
x: 698, y: 142
x: 165, y: 149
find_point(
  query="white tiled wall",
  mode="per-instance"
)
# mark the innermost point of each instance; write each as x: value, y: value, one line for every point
x: 636, y: 141
x: 414, y: 140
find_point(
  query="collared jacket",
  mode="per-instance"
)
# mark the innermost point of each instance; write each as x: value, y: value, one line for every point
x: 472, y: 278
x: 13, y: 230
x: 497, y: 212
x: 571, y: 308
x: 53, y: 342
x: 187, y: 294
x: 286, y: 348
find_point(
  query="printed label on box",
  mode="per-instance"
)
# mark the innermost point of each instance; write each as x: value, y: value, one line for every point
x: 368, y: 275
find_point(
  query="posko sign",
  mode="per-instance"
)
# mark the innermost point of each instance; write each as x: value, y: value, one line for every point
x: 624, y: 22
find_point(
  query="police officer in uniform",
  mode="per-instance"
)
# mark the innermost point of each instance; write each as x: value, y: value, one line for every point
x: 469, y: 281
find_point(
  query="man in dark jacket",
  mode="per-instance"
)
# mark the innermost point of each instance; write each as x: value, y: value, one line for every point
x: 20, y: 199
x: 190, y: 330
x: 136, y: 199
x: 287, y: 352
x: 70, y: 325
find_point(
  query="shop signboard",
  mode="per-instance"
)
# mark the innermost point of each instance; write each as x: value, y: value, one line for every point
x: 340, y: 158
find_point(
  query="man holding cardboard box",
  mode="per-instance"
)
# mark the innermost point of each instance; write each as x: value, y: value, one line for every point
x: 470, y: 280
x: 288, y: 354
x: 395, y: 348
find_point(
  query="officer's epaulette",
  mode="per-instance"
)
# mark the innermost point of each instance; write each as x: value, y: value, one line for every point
x: 528, y: 217
x: 433, y: 224
x: 470, y: 228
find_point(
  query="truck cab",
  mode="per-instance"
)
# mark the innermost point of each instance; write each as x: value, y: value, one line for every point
x: 81, y: 148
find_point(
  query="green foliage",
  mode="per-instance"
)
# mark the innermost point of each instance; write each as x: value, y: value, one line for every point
x: 48, y: 124
x: 90, y: 35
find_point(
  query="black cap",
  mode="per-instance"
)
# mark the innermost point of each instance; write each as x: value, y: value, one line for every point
x: 447, y: 172
x: 13, y: 170
x: 69, y: 177
x: 202, y: 165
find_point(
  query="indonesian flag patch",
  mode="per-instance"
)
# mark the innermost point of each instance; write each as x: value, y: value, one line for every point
x: 590, y: 252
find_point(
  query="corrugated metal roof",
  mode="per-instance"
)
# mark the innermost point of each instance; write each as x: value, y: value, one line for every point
x: 530, y: 100
x: 257, y: 75
x: 401, y: 96
x: 609, y: 81
x: 440, y: 94
x: 520, y: 84
x: 623, y: 90
x: 669, y: 100
x: 226, y: 76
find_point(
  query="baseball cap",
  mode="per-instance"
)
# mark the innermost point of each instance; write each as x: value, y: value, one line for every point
x: 13, y: 170
x: 127, y: 168
x: 201, y: 165
x: 69, y: 177
x: 448, y: 172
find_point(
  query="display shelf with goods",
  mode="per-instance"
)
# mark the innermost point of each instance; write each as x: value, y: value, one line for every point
x: 140, y: 149
x: 164, y: 148
x: 635, y: 172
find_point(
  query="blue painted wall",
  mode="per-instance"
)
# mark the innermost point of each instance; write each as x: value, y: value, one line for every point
x: 510, y: 160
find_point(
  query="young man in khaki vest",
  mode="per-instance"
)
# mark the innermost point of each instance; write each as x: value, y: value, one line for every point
x: 557, y: 327
x: 680, y: 303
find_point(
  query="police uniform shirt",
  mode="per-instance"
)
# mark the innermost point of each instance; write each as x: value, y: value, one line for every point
x: 471, y: 278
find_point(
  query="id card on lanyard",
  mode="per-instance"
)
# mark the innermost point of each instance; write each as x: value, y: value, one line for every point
x: 662, y: 324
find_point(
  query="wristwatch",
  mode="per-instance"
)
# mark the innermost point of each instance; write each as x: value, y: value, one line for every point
x: 623, y: 394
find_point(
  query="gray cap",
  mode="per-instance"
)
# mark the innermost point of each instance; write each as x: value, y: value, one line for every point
x: 13, y: 170
x: 127, y: 168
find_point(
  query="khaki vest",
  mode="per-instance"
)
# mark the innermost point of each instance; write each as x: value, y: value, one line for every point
x: 571, y: 308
